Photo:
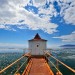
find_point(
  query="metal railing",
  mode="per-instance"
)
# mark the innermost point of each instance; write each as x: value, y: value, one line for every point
x: 10, y: 65
x: 27, y: 69
x: 60, y: 62
x: 17, y: 71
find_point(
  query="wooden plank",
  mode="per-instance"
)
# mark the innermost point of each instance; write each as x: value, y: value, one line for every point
x: 40, y: 67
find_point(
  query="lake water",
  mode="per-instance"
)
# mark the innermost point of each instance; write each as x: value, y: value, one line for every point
x: 68, y: 57
x: 65, y: 55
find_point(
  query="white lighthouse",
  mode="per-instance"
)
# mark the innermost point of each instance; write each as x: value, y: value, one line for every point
x: 37, y: 45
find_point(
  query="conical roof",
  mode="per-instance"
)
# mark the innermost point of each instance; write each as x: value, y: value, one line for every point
x: 37, y: 37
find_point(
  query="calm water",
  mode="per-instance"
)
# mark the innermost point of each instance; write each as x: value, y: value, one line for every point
x: 68, y: 57
x: 7, y: 58
x: 65, y: 55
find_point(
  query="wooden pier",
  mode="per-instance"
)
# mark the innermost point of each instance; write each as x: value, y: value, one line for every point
x: 37, y: 66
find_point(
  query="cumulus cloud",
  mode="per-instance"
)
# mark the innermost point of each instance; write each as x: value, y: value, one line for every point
x: 67, y: 38
x: 50, y: 11
x: 69, y: 15
x: 12, y: 12
x: 68, y: 11
x: 39, y: 3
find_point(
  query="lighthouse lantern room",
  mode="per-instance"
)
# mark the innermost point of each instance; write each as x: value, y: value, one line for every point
x: 37, y: 45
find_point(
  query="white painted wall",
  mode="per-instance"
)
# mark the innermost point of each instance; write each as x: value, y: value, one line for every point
x: 37, y: 47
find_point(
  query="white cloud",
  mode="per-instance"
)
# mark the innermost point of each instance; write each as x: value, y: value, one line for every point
x: 68, y: 11
x: 49, y: 11
x: 73, y: 32
x: 67, y: 38
x: 6, y: 27
x: 12, y: 45
x: 2, y: 26
x: 69, y: 15
x: 14, y: 11
x: 39, y: 3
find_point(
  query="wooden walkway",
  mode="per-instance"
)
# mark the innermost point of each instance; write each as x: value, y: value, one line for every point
x: 38, y: 66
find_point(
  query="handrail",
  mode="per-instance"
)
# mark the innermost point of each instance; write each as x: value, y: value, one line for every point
x: 26, y: 71
x: 61, y: 62
x: 20, y: 66
x: 12, y: 64
x: 54, y: 65
x: 51, y: 72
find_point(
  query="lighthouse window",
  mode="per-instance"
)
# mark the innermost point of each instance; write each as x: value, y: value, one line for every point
x: 37, y: 45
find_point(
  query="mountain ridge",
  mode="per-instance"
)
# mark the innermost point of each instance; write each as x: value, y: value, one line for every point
x: 68, y: 46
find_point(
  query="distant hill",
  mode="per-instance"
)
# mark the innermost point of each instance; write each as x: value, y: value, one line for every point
x: 68, y: 46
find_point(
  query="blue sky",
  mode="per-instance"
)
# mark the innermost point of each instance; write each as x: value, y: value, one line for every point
x: 20, y: 20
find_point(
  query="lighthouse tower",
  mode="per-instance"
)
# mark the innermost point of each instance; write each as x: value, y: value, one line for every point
x: 37, y: 45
